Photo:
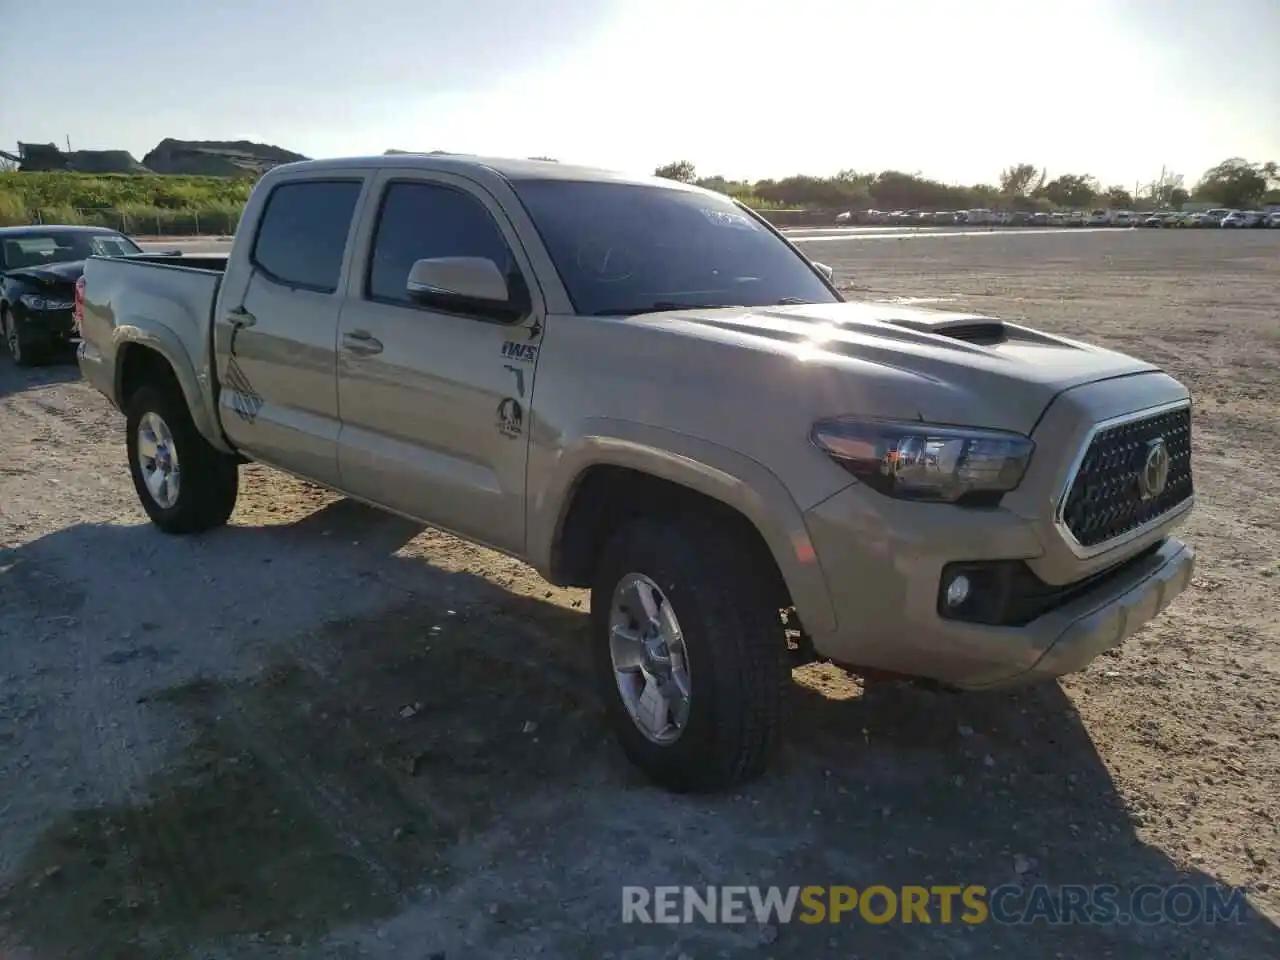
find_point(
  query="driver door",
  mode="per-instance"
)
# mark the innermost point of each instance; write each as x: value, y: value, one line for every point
x: 434, y: 406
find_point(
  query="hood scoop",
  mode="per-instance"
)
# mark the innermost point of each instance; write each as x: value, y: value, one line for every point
x: 979, y: 331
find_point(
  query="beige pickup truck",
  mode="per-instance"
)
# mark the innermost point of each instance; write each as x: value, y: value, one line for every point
x: 641, y: 388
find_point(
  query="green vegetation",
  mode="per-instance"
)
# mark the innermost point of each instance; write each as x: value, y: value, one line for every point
x: 1235, y: 183
x: 139, y: 204
x: 153, y: 204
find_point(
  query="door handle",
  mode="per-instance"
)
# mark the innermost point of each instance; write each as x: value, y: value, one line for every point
x: 240, y: 317
x: 362, y: 342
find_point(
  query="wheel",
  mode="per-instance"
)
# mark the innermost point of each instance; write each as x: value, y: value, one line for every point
x: 19, y: 349
x: 689, y: 653
x: 185, y: 485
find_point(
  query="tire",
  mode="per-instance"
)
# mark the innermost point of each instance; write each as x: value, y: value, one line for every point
x: 19, y: 349
x: 208, y: 481
x: 734, y: 645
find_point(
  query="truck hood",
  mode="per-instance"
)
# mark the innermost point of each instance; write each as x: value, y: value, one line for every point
x: 969, y: 369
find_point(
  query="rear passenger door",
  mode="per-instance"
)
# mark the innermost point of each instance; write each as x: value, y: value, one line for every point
x: 277, y: 332
x: 435, y: 405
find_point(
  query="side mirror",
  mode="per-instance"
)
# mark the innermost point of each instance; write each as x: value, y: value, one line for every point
x: 825, y: 270
x: 473, y: 285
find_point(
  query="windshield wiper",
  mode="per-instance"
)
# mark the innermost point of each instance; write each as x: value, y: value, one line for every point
x: 660, y: 307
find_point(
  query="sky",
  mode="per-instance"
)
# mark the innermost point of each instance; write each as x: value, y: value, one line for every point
x: 747, y: 90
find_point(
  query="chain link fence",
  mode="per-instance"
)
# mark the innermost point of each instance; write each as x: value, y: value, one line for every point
x: 146, y: 223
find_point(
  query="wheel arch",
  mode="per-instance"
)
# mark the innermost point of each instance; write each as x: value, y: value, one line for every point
x: 153, y: 354
x: 620, y: 470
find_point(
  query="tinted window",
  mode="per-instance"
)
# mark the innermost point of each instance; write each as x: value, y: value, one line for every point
x: 303, y: 233
x: 420, y: 221
x: 630, y: 248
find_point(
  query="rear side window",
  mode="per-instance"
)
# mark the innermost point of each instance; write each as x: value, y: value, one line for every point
x: 303, y: 233
x: 420, y: 221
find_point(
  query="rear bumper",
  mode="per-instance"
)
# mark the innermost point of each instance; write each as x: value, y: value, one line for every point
x: 95, y: 371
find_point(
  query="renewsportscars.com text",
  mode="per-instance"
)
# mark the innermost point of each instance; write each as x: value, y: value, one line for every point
x: 968, y: 904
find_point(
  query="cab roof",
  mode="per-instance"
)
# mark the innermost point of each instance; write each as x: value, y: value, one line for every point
x: 467, y: 164
x: 37, y: 228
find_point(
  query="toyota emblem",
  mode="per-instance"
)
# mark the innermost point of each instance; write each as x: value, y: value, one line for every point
x: 1154, y: 475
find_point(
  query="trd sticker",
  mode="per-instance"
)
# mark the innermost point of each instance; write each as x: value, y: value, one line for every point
x: 524, y: 352
x: 510, y: 417
x: 244, y: 399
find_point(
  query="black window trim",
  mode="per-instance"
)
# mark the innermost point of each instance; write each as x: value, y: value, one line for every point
x: 367, y: 295
x: 266, y: 208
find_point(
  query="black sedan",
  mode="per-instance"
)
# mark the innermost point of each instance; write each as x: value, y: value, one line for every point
x: 39, y: 267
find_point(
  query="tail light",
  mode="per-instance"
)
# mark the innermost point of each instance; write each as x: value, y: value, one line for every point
x: 77, y: 314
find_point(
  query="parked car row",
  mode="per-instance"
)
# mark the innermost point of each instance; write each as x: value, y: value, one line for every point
x: 1231, y: 219
x: 1062, y: 218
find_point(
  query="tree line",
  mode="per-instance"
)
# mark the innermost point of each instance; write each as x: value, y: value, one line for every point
x: 1236, y: 183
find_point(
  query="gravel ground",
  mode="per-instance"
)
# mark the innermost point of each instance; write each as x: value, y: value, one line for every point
x: 324, y: 732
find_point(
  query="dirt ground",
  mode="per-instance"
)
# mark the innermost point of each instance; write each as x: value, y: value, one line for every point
x: 324, y: 732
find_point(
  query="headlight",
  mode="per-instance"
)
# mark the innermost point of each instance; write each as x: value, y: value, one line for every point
x: 34, y: 301
x: 916, y: 461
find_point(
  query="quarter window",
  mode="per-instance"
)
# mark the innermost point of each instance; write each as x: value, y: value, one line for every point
x: 303, y: 233
x: 421, y: 221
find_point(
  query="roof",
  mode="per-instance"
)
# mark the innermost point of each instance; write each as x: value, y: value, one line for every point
x: 506, y: 168
x: 45, y: 227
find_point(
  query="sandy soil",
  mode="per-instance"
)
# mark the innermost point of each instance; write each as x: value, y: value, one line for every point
x: 323, y: 732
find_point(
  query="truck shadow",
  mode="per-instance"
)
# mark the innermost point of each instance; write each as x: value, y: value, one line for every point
x: 356, y: 737
x: 15, y: 379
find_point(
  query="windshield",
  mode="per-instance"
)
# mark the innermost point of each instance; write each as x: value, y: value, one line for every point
x: 628, y: 248
x: 37, y: 249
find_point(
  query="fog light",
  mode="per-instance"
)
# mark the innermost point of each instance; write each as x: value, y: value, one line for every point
x: 957, y: 590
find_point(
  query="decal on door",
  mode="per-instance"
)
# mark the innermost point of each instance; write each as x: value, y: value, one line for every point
x: 244, y: 399
x: 510, y: 417
x: 524, y: 352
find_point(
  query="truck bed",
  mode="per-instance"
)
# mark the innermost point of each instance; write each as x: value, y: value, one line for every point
x: 169, y: 297
x: 199, y: 261
x: 178, y: 291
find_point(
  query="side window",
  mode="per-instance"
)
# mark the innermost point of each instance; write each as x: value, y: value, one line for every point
x: 303, y: 233
x: 419, y: 221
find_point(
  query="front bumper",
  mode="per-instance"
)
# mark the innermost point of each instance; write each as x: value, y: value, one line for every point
x: 884, y: 562
x: 45, y: 328
x: 1103, y: 620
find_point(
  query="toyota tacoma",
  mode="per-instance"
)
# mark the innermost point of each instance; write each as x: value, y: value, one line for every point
x: 642, y: 388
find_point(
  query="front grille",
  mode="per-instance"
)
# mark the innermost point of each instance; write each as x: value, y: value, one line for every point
x: 1105, y: 500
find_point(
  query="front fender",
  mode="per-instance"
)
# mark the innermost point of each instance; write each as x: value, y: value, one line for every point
x: 139, y: 333
x: 707, y: 468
